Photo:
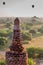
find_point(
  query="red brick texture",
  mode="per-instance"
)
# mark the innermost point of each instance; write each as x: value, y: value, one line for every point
x: 16, y: 55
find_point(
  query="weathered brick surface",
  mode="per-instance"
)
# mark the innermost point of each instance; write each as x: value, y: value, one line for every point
x: 13, y: 58
x: 16, y: 55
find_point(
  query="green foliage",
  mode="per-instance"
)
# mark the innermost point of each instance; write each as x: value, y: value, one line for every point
x: 8, y: 25
x: 3, y: 33
x: 3, y: 40
x: 22, y: 26
x: 6, y: 33
x: 40, y: 29
x: 32, y: 31
x: 2, y: 62
x: 30, y: 61
x: 10, y: 32
x: 30, y: 24
x: 3, y: 37
x: 35, y: 52
x: 25, y: 42
x: 25, y: 26
x: 26, y: 36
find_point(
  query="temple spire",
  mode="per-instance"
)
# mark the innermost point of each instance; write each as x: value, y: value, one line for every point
x: 16, y: 43
x: 16, y: 55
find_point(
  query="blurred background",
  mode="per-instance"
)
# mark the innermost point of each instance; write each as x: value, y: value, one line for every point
x: 32, y: 34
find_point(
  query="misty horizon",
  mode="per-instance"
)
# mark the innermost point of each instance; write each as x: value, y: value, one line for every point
x: 21, y: 8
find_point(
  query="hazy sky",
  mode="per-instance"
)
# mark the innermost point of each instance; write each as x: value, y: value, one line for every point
x: 21, y: 8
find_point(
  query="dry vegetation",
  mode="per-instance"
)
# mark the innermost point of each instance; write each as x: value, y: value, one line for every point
x: 35, y: 42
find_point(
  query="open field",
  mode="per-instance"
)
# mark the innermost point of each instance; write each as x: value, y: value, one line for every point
x: 36, y: 42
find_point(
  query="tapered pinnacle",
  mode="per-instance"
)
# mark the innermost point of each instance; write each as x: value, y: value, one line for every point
x: 16, y: 42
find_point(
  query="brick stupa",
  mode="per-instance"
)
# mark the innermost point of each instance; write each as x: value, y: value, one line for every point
x: 16, y: 55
